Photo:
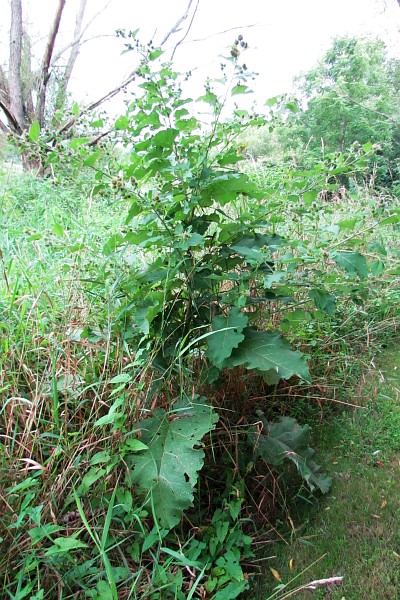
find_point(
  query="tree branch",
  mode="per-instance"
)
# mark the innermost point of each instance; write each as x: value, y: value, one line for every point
x: 12, y: 121
x: 78, y: 37
x: 187, y: 31
x: 208, y: 37
x: 177, y: 25
x: 97, y: 103
x: 44, y: 75
x: 132, y: 76
x: 62, y: 88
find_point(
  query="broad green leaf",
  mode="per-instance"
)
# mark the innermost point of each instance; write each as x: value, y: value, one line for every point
x: 64, y: 544
x: 297, y: 317
x: 58, y: 229
x: 167, y: 472
x: 146, y: 312
x: 134, y: 445
x: 43, y: 531
x: 165, y: 138
x: 323, y: 300
x: 377, y: 247
x: 310, y: 196
x: 155, y: 54
x: 230, y: 563
x: 349, y: 223
x: 34, y: 131
x: 225, y: 339
x: 275, y: 277
x: 121, y: 123
x: 195, y: 239
x: 113, y: 414
x: 292, y: 106
x: 121, y: 378
x: 91, y: 159
x: 240, y: 89
x: 90, y: 478
x: 231, y: 591
x: 377, y: 267
x: 352, y: 262
x: 112, y: 244
x: 97, y: 123
x: 268, y: 351
x: 76, y: 142
x: 209, y: 97
x: 187, y: 125
x: 75, y: 109
x: 225, y: 187
x: 101, y: 457
x: 389, y: 220
x: 286, y: 439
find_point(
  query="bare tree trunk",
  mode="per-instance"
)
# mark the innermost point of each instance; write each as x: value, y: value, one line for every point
x: 62, y: 89
x: 27, y: 77
x: 16, y: 107
x: 44, y: 75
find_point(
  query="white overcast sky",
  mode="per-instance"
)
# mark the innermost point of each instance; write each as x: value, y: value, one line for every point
x: 288, y: 36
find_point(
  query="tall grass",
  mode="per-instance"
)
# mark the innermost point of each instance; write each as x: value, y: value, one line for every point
x: 61, y: 344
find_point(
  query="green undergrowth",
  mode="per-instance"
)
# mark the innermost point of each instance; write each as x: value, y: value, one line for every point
x: 354, y: 531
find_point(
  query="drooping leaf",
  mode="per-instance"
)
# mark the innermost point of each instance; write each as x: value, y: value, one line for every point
x: 323, y: 300
x: 228, y: 335
x: 268, y: 351
x: 287, y: 440
x: 353, y: 262
x: 146, y: 312
x: 166, y: 473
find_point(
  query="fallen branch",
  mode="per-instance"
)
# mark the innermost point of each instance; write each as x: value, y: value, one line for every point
x: 313, y: 585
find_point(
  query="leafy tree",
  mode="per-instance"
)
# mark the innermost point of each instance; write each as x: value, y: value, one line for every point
x: 350, y: 96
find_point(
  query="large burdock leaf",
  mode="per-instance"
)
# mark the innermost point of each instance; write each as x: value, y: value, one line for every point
x: 227, y: 335
x: 353, y: 262
x: 288, y: 440
x: 167, y: 471
x: 269, y: 352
